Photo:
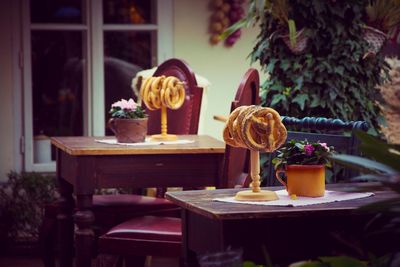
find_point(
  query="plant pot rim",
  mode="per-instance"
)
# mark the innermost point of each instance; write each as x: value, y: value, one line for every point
x: 375, y: 30
x: 298, y: 166
x: 284, y: 34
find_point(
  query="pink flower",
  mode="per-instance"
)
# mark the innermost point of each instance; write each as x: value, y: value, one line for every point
x: 309, y: 149
x: 324, y: 145
x: 116, y: 104
x: 127, y: 105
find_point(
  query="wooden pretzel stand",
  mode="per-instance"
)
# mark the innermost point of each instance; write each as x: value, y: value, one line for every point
x: 164, y: 136
x: 257, y: 129
x: 256, y: 194
x: 161, y: 93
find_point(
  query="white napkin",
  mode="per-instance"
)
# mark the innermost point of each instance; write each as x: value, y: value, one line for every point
x: 147, y: 142
x: 285, y: 200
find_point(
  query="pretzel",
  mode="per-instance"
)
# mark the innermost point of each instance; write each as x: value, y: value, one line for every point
x: 157, y: 91
x: 229, y: 129
x: 172, y: 93
x: 263, y: 130
x: 256, y: 128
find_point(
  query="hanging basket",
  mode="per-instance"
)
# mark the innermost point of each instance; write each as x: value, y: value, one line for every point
x: 301, y: 42
x: 375, y: 38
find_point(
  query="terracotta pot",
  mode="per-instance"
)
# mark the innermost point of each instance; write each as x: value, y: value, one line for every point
x: 375, y: 38
x: 301, y: 42
x: 129, y: 130
x: 304, y: 180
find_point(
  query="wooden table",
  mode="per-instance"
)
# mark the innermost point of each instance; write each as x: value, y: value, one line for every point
x: 288, y: 233
x: 84, y: 164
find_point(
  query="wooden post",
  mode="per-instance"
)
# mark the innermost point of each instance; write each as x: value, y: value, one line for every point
x: 163, y: 120
x: 256, y: 194
x: 164, y: 136
x: 255, y: 170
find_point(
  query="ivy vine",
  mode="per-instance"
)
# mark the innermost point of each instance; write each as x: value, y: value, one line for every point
x: 331, y: 78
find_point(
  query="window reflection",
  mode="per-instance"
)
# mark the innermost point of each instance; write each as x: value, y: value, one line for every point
x: 57, y: 83
x: 128, y: 12
x: 126, y: 53
x: 57, y: 11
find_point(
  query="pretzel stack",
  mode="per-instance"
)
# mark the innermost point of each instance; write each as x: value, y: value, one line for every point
x: 157, y: 91
x: 256, y: 128
x: 161, y: 93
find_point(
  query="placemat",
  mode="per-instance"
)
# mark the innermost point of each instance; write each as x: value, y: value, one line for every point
x: 147, y: 142
x: 285, y: 200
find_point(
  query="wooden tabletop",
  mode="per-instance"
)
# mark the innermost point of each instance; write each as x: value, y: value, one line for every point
x: 86, y: 145
x: 201, y: 202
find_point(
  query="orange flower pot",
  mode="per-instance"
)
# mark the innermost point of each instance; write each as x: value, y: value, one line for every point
x: 304, y: 180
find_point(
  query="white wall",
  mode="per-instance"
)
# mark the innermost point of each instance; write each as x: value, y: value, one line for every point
x: 222, y: 66
x: 7, y: 135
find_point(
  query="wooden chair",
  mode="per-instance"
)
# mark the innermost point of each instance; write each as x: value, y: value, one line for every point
x: 110, y: 210
x: 334, y: 132
x: 162, y: 236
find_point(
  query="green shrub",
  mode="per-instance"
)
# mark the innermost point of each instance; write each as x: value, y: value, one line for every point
x: 22, y: 199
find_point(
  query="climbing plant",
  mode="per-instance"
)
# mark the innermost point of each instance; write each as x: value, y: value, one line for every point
x: 332, y: 77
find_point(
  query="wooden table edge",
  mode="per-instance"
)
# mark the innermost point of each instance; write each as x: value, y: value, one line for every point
x: 317, y: 211
x: 116, y: 149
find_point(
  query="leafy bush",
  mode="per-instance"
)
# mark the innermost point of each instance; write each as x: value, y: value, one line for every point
x: 22, y: 199
x: 331, y: 78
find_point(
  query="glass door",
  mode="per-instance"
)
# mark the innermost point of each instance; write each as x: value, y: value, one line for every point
x: 80, y: 56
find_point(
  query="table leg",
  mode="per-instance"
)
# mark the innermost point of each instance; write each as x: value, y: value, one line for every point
x: 189, y: 258
x: 84, y: 235
x: 195, y: 242
x: 65, y: 225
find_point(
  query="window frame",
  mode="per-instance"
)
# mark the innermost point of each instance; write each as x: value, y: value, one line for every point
x: 93, y: 52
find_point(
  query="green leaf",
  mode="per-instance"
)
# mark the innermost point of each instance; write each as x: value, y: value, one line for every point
x: 285, y: 64
x: 362, y: 164
x: 300, y: 99
x: 299, y: 82
x: 297, y: 66
x: 339, y: 70
x: 277, y: 98
x: 332, y: 95
x: 234, y: 27
x: 277, y: 87
x: 308, y: 264
x: 249, y: 264
x: 315, y: 101
x: 292, y: 32
x: 271, y: 65
x: 343, y: 261
x: 379, y: 150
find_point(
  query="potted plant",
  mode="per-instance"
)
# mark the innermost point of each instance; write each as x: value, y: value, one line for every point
x: 382, y: 18
x: 303, y: 164
x: 128, y: 121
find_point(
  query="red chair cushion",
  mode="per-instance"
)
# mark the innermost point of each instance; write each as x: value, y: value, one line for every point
x: 130, y: 201
x: 110, y: 210
x: 147, y: 228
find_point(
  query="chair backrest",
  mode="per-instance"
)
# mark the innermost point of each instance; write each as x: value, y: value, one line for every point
x: 236, y: 159
x: 334, y: 132
x: 184, y: 120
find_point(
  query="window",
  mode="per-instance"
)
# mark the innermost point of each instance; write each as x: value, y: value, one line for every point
x: 79, y: 57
